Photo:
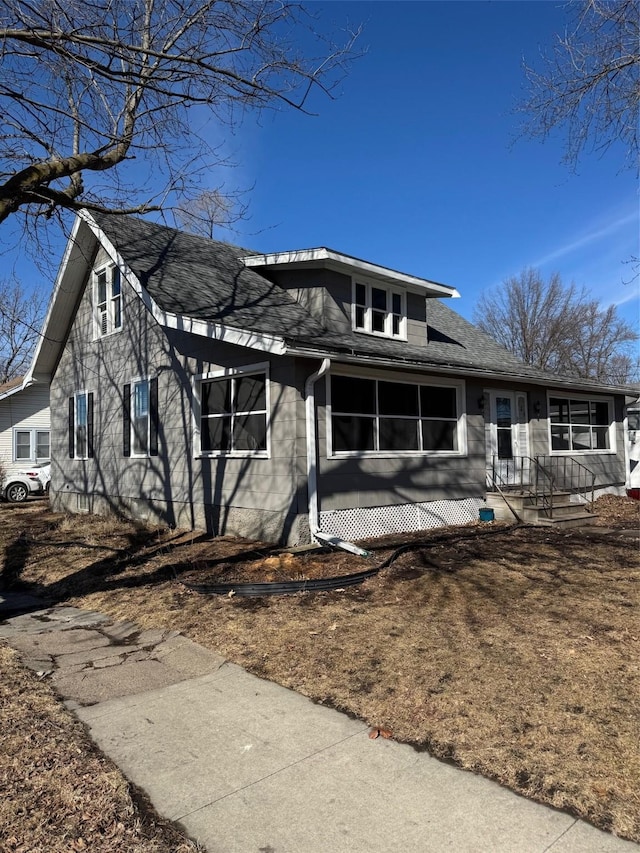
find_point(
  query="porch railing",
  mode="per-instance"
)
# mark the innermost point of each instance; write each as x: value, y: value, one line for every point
x: 569, y: 475
x: 541, y: 478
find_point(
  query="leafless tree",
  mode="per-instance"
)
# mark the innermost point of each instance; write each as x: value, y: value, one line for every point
x: 21, y: 315
x: 101, y: 98
x: 208, y: 211
x: 589, y: 83
x: 558, y: 328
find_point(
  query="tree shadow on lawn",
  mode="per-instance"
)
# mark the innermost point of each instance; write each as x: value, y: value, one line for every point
x: 122, y: 568
x: 471, y: 570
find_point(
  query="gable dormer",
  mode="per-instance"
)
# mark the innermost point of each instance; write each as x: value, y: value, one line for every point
x: 349, y: 294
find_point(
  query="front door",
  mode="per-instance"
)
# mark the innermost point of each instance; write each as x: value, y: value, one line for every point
x: 506, y: 436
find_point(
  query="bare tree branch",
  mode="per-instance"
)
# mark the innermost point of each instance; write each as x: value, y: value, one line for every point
x: 588, y: 85
x: 89, y: 87
x: 21, y: 316
x: 558, y: 328
x: 208, y: 211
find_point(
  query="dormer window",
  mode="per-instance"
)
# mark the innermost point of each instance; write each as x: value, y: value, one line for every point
x: 108, y: 301
x: 379, y: 310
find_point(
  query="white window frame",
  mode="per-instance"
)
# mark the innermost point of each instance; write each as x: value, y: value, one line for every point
x: 230, y: 373
x: 607, y: 451
x: 76, y: 396
x: 133, y: 453
x: 401, y: 379
x: 368, y: 310
x: 33, y: 444
x: 108, y: 311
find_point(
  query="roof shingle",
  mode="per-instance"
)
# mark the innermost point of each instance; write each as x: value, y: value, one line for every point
x: 206, y: 279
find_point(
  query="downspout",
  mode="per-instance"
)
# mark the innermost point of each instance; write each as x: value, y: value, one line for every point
x: 312, y: 466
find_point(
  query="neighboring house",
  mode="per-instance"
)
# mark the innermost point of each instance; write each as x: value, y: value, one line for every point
x: 24, y: 423
x: 275, y: 396
x: 632, y: 434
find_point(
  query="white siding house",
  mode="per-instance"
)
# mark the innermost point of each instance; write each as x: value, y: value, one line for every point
x: 25, y: 424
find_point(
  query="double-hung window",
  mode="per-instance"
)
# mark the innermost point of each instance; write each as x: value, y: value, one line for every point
x: 379, y: 310
x: 30, y: 445
x: 108, y: 300
x: 376, y: 416
x: 580, y: 424
x: 233, y: 414
x: 81, y: 425
x: 140, y: 417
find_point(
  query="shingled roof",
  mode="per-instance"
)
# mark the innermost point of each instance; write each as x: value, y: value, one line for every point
x: 206, y: 279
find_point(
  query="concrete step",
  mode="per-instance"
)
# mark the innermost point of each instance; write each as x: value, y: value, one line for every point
x: 559, y: 509
x: 565, y: 512
x: 566, y: 521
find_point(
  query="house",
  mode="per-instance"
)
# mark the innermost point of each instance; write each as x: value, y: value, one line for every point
x: 24, y: 423
x: 296, y: 394
x: 632, y: 436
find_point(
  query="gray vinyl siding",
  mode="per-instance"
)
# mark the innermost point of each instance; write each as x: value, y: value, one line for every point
x: 608, y: 467
x: 26, y: 410
x: 260, y: 497
x: 178, y: 485
x: 325, y: 294
x: 328, y: 295
x: 366, y: 481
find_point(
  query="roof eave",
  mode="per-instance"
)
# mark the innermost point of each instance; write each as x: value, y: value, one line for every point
x: 450, y: 367
x: 330, y: 259
x: 219, y: 332
x: 20, y: 386
x: 66, y: 289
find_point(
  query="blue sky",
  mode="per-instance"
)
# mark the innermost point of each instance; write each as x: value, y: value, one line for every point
x: 417, y: 165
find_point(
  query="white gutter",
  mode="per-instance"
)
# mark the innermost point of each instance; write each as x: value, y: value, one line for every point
x: 568, y: 383
x: 312, y: 466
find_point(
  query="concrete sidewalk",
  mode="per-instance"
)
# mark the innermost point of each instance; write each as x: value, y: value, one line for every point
x: 247, y: 766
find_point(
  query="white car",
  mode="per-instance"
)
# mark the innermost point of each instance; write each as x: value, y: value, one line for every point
x: 18, y: 485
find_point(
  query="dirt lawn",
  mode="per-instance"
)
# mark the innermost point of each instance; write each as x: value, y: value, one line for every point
x: 512, y: 651
x: 58, y: 793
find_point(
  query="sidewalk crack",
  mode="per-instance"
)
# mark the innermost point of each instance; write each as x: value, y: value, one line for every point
x: 268, y: 776
x: 562, y: 834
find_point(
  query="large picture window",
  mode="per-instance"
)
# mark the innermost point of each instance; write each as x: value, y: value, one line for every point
x: 371, y: 415
x: 379, y: 310
x: 108, y: 301
x: 233, y: 414
x: 579, y: 425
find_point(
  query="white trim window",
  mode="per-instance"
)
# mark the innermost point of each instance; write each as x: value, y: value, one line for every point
x: 140, y: 425
x: 31, y: 445
x: 107, y: 301
x: 232, y: 414
x: 580, y: 425
x: 374, y: 416
x: 81, y: 425
x: 379, y: 310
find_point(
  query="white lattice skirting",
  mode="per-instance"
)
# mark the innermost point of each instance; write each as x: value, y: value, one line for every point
x: 369, y: 522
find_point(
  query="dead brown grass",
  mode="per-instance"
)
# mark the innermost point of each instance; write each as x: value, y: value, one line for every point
x: 58, y: 793
x: 513, y: 651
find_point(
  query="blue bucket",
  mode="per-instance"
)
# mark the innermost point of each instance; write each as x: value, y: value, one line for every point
x: 486, y: 514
